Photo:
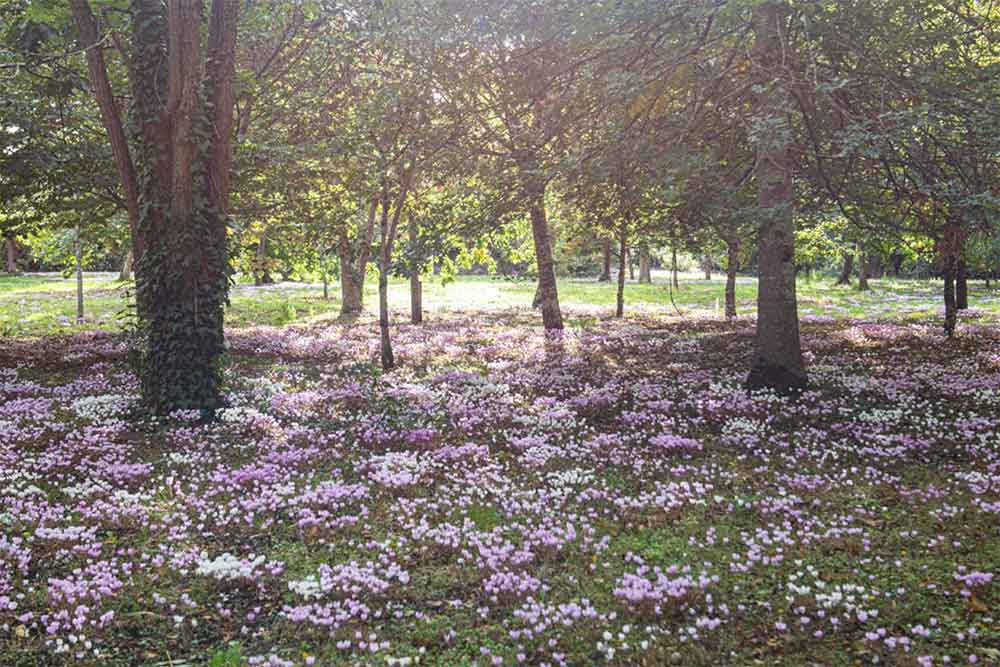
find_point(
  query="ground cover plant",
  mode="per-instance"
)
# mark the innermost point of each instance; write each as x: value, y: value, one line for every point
x: 610, y: 495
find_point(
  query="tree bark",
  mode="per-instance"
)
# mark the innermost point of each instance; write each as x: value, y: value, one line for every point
x: 78, y: 254
x: 631, y: 266
x: 706, y: 265
x: 622, y: 259
x: 385, y: 342
x: 949, y: 258
x: 645, y: 273
x: 846, y: 268
x: 88, y: 36
x: 10, y: 246
x: 183, y: 122
x: 354, y: 264
x: 547, y: 291
x: 126, y: 272
x: 862, y: 268
x: 416, y: 288
x: 777, y: 360
x: 732, y: 265
x: 673, y: 267
x: 961, y: 285
x: 606, y: 257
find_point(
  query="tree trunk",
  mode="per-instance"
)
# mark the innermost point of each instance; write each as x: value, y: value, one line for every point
x: 354, y: 264
x: 645, y: 273
x: 896, y: 259
x: 126, y: 272
x: 78, y: 254
x: 183, y: 119
x: 961, y: 285
x: 949, y: 258
x: 89, y: 39
x: 387, y: 357
x: 606, y: 256
x: 777, y: 360
x: 846, y: 268
x: 631, y: 267
x: 10, y: 245
x: 950, y: 310
x: 351, y: 281
x: 673, y: 267
x: 622, y: 259
x: 416, y: 288
x: 706, y: 265
x: 732, y: 264
x: 547, y: 291
x: 862, y: 268
x: 326, y: 286
x: 260, y: 276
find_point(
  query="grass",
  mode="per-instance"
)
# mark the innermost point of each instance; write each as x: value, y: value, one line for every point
x: 40, y: 305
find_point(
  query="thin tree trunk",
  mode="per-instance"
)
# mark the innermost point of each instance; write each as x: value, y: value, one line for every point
x: 631, y: 266
x: 673, y: 267
x: 961, y: 285
x: 78, y: 254
x: 706, y: 265
x: 622, y: 260
x: 950, y: 256
x: 645, y: 273
x: 547, y: 290
x: 10, y: 245
x: 606, y: 257
x: 126, y: 272
x: 326, y: 286
x: 777, y: 360
x: 416, y: 288
x: 88, y: 35
x: 387, y: 357
x: 862, y: 268
x: 846, y: 268
x: 732, y: 264
x: 950, y: 309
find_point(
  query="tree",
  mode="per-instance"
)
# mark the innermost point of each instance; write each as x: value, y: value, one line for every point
x: 178, y: 157
x: 777, y: 360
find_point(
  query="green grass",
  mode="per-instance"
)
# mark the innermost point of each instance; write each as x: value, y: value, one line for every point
x: 38, y: 305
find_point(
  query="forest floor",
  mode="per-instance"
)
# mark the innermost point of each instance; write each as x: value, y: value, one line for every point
x: 613, y: 497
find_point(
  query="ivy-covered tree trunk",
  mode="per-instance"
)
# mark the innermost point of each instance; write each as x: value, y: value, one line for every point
x: 777, y: 360
x: 174, y: 171
x: 732, y: 265
x: 605, y: 276
x: 182, y: 119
